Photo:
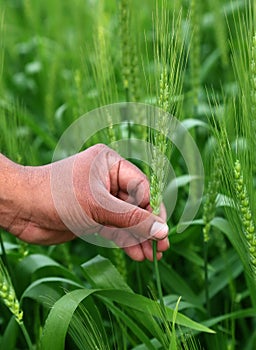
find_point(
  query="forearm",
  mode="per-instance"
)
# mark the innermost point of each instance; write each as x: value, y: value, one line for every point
x: 26, y: 206
x: 10, y: 191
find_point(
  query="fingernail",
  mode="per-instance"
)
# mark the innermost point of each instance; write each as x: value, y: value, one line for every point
x: 159, y: 230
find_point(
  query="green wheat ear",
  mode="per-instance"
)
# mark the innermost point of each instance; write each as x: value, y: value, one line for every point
x: 195, y: 50
x: 158, y: 175
x: 245, y: 213
x: 170, y: 61
x: 8, y: 295
x: 130, y: 61
x: 9, y: 298
x: 125, y: 38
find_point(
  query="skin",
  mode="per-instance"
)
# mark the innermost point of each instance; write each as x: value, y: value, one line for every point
x: 93, y: 191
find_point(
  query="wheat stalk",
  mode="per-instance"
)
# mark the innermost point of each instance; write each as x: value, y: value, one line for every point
x: 209, y: 208
x: 168, y: 55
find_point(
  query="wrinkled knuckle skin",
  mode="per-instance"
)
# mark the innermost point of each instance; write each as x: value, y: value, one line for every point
x: 134, y: 217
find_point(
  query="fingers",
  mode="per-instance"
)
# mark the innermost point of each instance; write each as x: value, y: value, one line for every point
x: 134, y: 220
x: 140, y: 253
x: 163, y: 245
x: 148, y: 251
x: 144, y: 250
x: 135, y: 250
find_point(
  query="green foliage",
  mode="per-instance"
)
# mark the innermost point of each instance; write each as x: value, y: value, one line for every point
x: 60, y: 59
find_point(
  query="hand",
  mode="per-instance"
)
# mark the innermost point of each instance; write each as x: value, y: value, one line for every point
x: 93, y: 191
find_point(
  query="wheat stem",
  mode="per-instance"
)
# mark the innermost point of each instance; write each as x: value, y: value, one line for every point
x: 26, y: 335
x: 157, y: 275
x: 4, y: 256
x: 209, y: 208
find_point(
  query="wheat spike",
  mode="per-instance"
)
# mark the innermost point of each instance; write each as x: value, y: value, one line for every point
x: 245, y: 213
x: 8, y: 295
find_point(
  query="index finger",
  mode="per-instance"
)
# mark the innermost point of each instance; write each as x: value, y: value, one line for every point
x: 133, y: 182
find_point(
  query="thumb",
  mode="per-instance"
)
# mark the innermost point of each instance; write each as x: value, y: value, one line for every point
x: 137, y: 221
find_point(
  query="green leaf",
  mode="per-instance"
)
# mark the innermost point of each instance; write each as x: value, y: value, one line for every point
x: 188, y: 254
x: 10, y: 335
x: 60, y: 316
x: 154, y: 342
x: 57, y: 323
x: 9, y: 246
x: 36, y: 266
x: 191, y: 123
x: 101, y: 273
x: 172, y: 188
x: 131, y: 324
x: 236, y: 240
x: 46, y: 137
x: 209, y: 63
x: 49, y: 287
x: 171, y: 301
x: 247, y: 313
x: 173, y: 344
x: 173, y: 282
x: 87, y: 327
x: 143, y: 304
x: 157, y: 327
x: 223, y: 270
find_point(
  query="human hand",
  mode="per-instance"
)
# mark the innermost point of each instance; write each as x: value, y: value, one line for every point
x: 93, y: 191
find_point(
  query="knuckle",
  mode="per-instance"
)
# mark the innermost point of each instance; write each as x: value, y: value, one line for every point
x: 134, y: 217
